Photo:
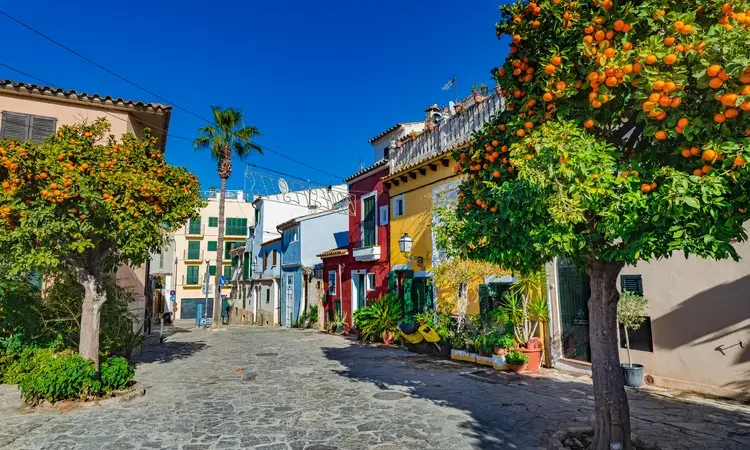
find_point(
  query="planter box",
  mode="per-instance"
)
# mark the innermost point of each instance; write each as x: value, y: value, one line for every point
x: 458, y: 355
x: 498, y: 363
x: 470, y: 357
x: 484, y: 360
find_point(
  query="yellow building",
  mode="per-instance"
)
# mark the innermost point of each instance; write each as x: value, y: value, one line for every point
x: 421, y: 170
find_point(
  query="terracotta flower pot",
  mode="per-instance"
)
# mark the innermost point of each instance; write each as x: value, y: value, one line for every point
x: 387, y: 338
x: 498, y: 90
x: 500, y: 351
x: 399, y: 144
x: 431, y: 127
x: 413, y: 137
x: 478, y: 98
x: 458, y: 108
x: 535, y: 358
x: 518, y: 369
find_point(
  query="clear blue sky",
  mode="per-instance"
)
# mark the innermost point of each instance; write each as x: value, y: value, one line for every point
x: 319, y: 79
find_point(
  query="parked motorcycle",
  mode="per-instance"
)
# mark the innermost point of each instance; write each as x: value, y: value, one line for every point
x: 423, y: 339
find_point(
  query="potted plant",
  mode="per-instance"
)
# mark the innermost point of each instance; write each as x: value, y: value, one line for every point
x: 458, y: 107
x: 526, y: 307
x: 498, y: 90
x: 503, y: 342
x: 477, y: 90
x: 413, y: 135
x: 484, y: 345
x: 631, y: 312
x: 517, y: 361
x: 339, y: 323
x: 457, y: 347
x: 380, y: 319
x: 430, y: 121
x: 399, y: 144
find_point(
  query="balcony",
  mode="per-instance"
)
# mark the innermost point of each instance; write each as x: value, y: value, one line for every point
x: 191, y: 282
x: 188, y: 255
x: 371, y: 253
x: 451, y: 132
x: 195, y: 230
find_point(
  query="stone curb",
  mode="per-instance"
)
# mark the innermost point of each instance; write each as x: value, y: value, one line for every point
x: 555, y: 442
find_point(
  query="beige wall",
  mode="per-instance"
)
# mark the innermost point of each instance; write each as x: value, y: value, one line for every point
x: 65, y: 113
x: 231, y: 209
x: 700, y: 311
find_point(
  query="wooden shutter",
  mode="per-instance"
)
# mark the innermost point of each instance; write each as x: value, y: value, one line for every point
x: 40, y: 128
x: 15, y: 126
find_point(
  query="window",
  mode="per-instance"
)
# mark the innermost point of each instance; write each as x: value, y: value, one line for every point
x: 273, y: 261
x: 399, y: 208
x: 161, y: 260
x: 268, y: 295
x: 25, y: 127
x: 246, y: 266
x: 212, y: 270
x: 265, y: 260
x: 332, y: 282
x: 257, y: 216
x: 290, y: 235
x: 631, y: 283
x: 228, y: 273
x: 192, y: 275
x: 195, y: 226
x: 229, y: 246
x: 213, y: 222
x: 368, y: 220
x: 211, y: 246
x: 384, y: 215
x: 370, y: 281
x: 236, y: 226
x: 194, y: 250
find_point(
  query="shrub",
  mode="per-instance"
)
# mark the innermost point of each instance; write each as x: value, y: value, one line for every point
x: 115, y: 374
x: 313, y: 314
x: 64, y: 376
x: 380, y: 317
x: 18, y: 364
x: 516, y: 358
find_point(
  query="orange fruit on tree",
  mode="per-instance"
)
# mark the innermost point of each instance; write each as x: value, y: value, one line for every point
x: 731, y: 113
x: 746, y: 91
x: 611, y: 81
x: 715, y: 83
x: 627, y: 46
x: 729, y: 99
x: 627, y: 28
x: 619, y: 25
x: 705, y: 169
x: 516, y: 38
x: 723, y: 75
x: 648, y: 106
x: 495, y: 143
x: 720, y: 118
x: 651, y: 60
x: 669, y: 41
x: 698, y: 172
x: 547, y: 97
x: 687, y: 29
x: 645, y: 188
x: 627, y: 68
x: 709, y: 155
x: 529, y: 125
x: 658, y: 85
x: 496, y: 174
x: 589, y: 123
x: 609, y: 53
x: 561, y: 85
x: 600, y: 35
x: 665, y: 101
x: 670, y: 59
x: 713, y: 70
x: 676, y: 102
x: 739, y: 161
x: 588, y: 39
x: 686, y: 153
x: 679, y: 25
x: 549, y: 69
x: 745, y: 106
x: 682, y: 123
x: 654, y: 97
x: 660, y: 135
x: 695, y: 151
x: 669, y: 86
x: 521, y: 132
x: 556, y: 60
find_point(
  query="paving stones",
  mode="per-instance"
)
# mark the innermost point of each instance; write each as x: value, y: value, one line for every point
x: 309, y: 391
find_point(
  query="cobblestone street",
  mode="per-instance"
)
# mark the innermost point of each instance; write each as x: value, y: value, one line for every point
x: 276, y: 389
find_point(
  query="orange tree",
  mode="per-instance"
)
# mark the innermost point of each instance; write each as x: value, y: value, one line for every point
x: 84, y: 202
x: 624, y: 138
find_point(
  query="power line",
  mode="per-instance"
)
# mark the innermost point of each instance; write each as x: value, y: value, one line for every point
x: 132, y: 83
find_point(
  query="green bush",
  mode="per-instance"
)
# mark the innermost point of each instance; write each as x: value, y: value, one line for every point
x: 21, y: 363
x: 68, y: 376
x: 379, y: 317
x: 516, y: 358
x: 115, y: 374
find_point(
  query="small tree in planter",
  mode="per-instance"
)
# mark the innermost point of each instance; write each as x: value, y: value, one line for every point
x: 526, y: 307
x: 631, y: 312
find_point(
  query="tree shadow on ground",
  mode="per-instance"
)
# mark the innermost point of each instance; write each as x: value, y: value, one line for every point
x: 520, y: 411
x: 168, y: 351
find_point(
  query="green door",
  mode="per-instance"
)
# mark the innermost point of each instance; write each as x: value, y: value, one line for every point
x: 574, y: 291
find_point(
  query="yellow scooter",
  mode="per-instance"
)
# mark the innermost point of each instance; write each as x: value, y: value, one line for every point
x: 423, y: 339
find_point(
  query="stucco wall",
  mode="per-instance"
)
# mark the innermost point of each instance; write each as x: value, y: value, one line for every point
x: 700, y: 312
x: 321, y: 233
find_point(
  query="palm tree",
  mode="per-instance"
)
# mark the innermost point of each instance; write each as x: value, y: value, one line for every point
x: 226, y: 137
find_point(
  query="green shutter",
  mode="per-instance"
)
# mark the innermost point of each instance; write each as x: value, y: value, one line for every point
x: 195, y: 226
x: 228, y: 273
x: 211, y: 246
x: 368, y: 222
x: 212, y: 270
x: 213, y: 222
x: 484, y: 299
x: 194, y: 250
x: 392, y: 283
x: 408, y: 299
x: 236, y: 226
x: 192, y: 275
x: 246, y: 267
x: 227, y: 248
x: 430, y: 294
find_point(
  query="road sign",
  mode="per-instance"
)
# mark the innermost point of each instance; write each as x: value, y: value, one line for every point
x: 222, y: 281
x: 172, y: 298
x: 172, y: 293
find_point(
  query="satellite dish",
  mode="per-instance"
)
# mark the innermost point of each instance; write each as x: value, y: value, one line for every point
x: 283, y: 186
x: 452, y: 107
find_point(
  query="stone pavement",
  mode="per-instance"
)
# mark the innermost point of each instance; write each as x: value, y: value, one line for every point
x: 275, y: 389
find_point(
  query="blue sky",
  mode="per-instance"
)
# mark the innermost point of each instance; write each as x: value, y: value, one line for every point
x: 317, y: 78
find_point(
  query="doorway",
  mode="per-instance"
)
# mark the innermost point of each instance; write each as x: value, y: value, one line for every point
x: 359, y: 290
x: 289, y: 300
x: 574, y: 292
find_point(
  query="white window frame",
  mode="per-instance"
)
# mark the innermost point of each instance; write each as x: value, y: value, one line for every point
x: 362, y: 217
x: 370, y: 282
x: 332, y: 286
x: 396, y: 199
x: 383, y: 216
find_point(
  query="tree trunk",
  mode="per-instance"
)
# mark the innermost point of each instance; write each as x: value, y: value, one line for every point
x: 612, y: 428
x: 93, y: 300
x: 219, y: 257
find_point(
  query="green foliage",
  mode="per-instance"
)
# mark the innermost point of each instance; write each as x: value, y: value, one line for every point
x: 115, y: 374
x: 381, y: 316
x: 516, y: 358
x: 631, y: 310
x: 504, y: 340
x: 228, y: 132
x: 18, y: 364
x: 313, y: 316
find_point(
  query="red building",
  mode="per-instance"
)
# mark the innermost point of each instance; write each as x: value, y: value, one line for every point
x: 357, y: 275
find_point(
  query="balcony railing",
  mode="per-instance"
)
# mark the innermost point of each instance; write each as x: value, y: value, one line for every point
x: 195, y: 230
x: 192, y: 256
x: 187, y: 281
x: 450, y: 132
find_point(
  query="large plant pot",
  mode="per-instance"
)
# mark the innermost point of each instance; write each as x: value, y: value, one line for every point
x: 519, y: 369
x: 535, y: 358
x: 387, y: 338
x: 633, y: 375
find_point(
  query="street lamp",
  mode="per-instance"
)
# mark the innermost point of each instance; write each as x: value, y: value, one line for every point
x: 405, y: 244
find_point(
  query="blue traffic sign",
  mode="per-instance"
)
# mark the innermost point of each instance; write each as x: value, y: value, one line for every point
x: 222, y: 281
x: 172, y: 298
x: 172, y: 293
